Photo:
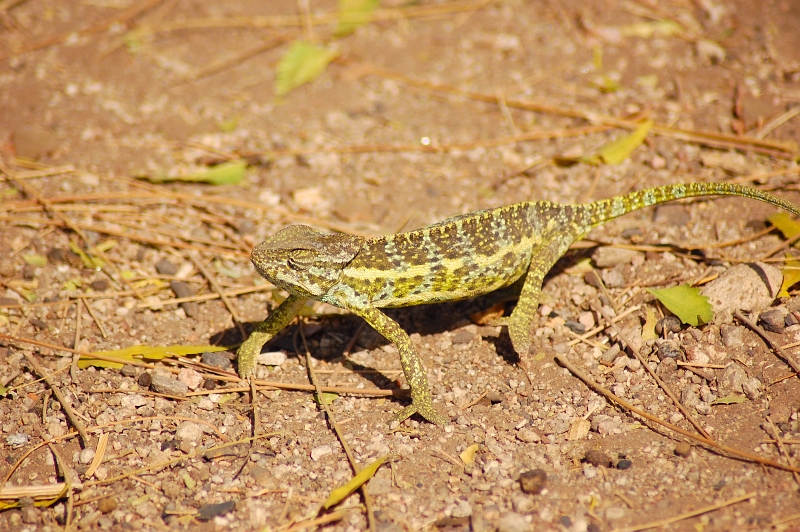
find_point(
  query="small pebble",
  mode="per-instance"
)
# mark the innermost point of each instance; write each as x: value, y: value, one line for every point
x: 165, y: 267
x: 495, y: 397
x: 100, y: 285
x: 683, y: 450
x: 575, y: 326
x: 624, y: 464
x: 597, y: 458
x: 463, y: 337
x: 144, y: 380
x: 533, y: 482
x: 668, y: 324
x: 168, y: 386
x: 107, y: 505
x: 773, y: 320
x: 210, y: 511
x: 669, y: 349
x: 217, y: 360
x: 790, y: 320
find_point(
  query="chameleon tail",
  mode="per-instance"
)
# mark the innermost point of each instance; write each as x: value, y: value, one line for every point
x: 599, y: 212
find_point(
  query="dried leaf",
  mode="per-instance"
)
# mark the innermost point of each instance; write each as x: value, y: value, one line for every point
x: 791, y: 276
x: 303, y: 63
x: 342, y: 492
x: 354, y: 13
x: 729, y: 400
x: 468, y: 455
x: 139, y: 352
x: 686, y: 303
x: 649, y: 327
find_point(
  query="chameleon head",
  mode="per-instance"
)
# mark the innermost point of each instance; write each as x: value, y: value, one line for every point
x: 304, y: 261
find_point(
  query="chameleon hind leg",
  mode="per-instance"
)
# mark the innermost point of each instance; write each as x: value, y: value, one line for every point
x: 414, y: 371
x: 521, y: 318
x: 275, y: 323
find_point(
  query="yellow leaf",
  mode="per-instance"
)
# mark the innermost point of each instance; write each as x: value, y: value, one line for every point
x: 139, y: 352
x: 785, y: 225
x: 791, y: 276
x: 655, y: 28
x: 93, y: 263
x: 327, y: 398
x: 303, y: 63
x: 649, y: 327
x: 619, y: 150
x: 342, y: 492
x: 468, y: 455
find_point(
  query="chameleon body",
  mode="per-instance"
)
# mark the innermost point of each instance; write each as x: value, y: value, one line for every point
x: 461, y: 257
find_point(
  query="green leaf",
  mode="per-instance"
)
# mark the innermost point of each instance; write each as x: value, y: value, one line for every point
x: 354, y: 13
x: 619, y: 150
x: 229, y: 126
x: 303, y: 63
x: 729, y: 400
x: 35, y: 260
x: 327, y: 398
x: 791, y: 276
x: 785, y: 225
x: 73, y: 284
x: 93, y: 263
x: 686, y: 302
x: 3, y: 391
x: 139, y: 352
x: 342, y: 492
x: 230, y: 173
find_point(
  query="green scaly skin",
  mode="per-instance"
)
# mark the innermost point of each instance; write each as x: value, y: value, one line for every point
x: 461, y: 257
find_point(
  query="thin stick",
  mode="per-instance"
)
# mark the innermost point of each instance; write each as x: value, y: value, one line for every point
x: 763, y: 334
x: 96, y: 319
x: 218, y: 289
x: 781, y: 448
x: 332, y: 421
x: 687, y: 515
x: 73, y: 418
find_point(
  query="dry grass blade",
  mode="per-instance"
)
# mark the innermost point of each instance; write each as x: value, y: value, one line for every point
x: 38, y: 493
x: 218, y: 289
x: 687, y: 515
x: 102, y: 445
x: 786, y: 357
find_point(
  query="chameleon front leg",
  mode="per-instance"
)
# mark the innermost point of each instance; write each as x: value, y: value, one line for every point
x: 413, y: 369
x: 275, y: 323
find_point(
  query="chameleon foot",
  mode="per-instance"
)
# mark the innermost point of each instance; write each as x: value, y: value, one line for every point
x: 246, y: 357
x: 426, y: 411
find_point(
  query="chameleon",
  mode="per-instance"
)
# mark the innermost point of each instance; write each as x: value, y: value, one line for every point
x: 461, y: 257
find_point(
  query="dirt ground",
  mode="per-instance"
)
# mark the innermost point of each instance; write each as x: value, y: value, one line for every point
x: 431, y: 110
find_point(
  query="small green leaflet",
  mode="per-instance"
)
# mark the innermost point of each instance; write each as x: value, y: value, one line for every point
x: 622, y: 148
x: 342, y: 492
x: 791, y: 276
x: 89, y: 261
x: 354, y: 13
x: 326, y: 399
x: 139, y: 352
x: 303, y: 63
x: 230, y: 173
x: 729, y: 400
x: 35, y: 260
x: 686, y: 303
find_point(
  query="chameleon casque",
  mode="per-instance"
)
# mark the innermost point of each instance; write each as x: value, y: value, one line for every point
x: 461, y: 257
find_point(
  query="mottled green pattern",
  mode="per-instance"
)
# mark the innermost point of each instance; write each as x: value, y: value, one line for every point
x: 462, y: 257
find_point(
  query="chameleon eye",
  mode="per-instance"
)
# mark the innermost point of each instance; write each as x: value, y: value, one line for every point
x: 300, y: 259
